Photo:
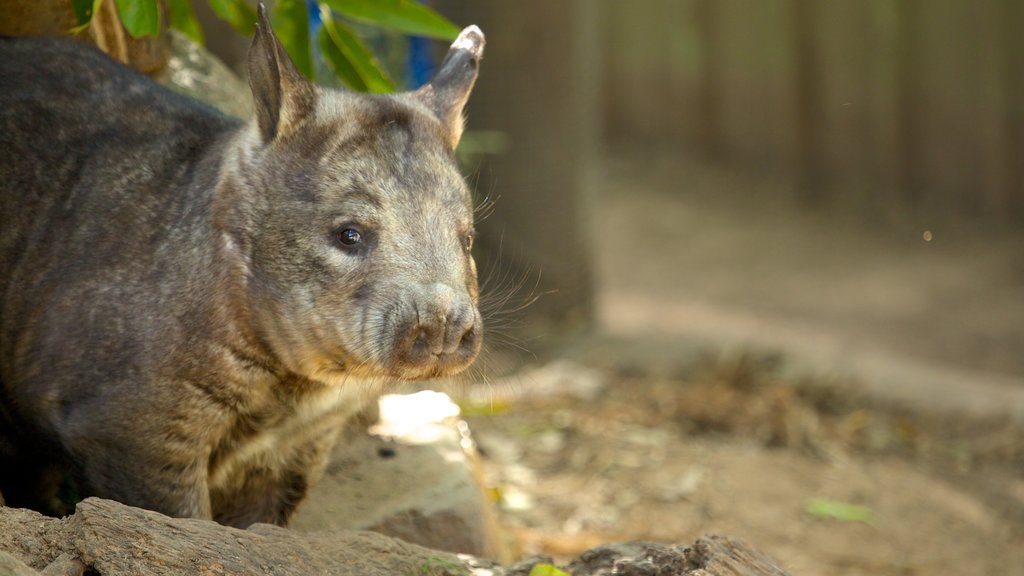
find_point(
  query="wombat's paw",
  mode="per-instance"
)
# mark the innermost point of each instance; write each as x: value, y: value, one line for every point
x: 472, y: 40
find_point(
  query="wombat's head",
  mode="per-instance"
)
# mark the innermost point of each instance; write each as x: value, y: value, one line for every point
x: 353, y: 222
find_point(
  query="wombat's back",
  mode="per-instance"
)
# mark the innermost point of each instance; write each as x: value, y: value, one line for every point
x: 85, y: 142
x: 61, y: 98
x: 72, y: 81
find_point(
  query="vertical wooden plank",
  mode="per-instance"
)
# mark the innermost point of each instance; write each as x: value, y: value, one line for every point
x: 886, y: 150
x: 992, y: 103
x: 589, y: 79
x: 685, y: 50
x: 909, y: 56
x: 709, y: 83
x: 616, y: 79
x: 639, y: 81
x: 757, y: 102
x: 1010, y: 200
x: 953, y: 79
x: 658, y: 25
x: 807, y: 78
x: 843, y: 37
x: 779, y: 71
x: 742, y: 105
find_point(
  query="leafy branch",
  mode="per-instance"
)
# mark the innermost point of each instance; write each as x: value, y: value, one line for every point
x: 345, y: 52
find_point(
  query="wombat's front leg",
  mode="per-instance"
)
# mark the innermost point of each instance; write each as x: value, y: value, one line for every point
x: 172, y: 484
x: 152, y: 456
x: 271, y: 493
x: 264, y: 495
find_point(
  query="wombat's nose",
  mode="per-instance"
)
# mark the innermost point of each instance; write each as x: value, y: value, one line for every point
x: 447, y: 334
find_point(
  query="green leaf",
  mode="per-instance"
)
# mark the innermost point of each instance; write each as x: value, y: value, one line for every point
x: 291, y: 23
x: 543, y: 569
x: 84, y: 10
x: 831, y: 509
x: 406, y: 16
x: 140, y: 17
x: 348, y: 57
x: 240, y: 15
x: 338, y: 63
x: 184, y: 19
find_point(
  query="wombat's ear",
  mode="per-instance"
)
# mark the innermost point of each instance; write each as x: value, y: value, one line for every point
x: 282, y: 96
x: 448, y: 92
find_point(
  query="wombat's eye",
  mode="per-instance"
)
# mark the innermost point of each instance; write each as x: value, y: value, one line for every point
x: 467, y: 241
x: 350, y: 237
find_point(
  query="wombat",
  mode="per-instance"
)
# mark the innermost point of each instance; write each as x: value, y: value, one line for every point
x: 191, y: 306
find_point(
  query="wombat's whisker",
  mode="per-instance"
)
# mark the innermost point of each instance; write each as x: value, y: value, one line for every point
x: 504, y: 291
x: 510, y: 290
x: 487, y: 205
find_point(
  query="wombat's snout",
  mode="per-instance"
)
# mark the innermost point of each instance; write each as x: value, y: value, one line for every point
x: 442, y: 336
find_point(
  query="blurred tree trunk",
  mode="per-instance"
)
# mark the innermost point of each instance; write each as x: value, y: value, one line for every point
x: 538, y: 86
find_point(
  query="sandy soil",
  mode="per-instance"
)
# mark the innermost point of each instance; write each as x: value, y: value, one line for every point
x: 826, y: 482
x: 845, y: 396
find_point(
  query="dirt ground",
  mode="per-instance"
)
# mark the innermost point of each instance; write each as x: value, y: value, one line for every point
x: 846, y: 397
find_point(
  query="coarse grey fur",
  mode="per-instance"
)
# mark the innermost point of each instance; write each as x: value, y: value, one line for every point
x: 190, y: 306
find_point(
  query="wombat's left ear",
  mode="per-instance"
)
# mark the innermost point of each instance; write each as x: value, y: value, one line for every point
x: 283, y: 97
x: 448, y: 92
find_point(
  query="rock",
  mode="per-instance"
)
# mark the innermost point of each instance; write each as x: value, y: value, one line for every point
x: 111, y: 538
x: 414, y: 476
x: 105, y: 538
x: 708, y: 556
x: 35, y: 539
x: 632, y: 559
x: 11, y: 566
x: 193, y: 71
x: 65, y: 565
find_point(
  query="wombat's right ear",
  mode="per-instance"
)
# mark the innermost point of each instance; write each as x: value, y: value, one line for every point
x: 449, y: 90
x: 282, y: 96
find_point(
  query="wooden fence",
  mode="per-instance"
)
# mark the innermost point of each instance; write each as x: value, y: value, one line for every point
x: 913, y: 105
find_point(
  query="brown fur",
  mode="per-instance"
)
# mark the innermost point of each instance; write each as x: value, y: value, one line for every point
x: 182, y: 326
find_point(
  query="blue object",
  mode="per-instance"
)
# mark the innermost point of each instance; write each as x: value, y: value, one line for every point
x: 421, y: 61
x: 314, y: 18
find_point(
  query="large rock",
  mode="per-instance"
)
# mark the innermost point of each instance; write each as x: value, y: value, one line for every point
x: 11, y: 566
x: 193, y: 71
x: 412, y: 475
x: 105, y: 538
